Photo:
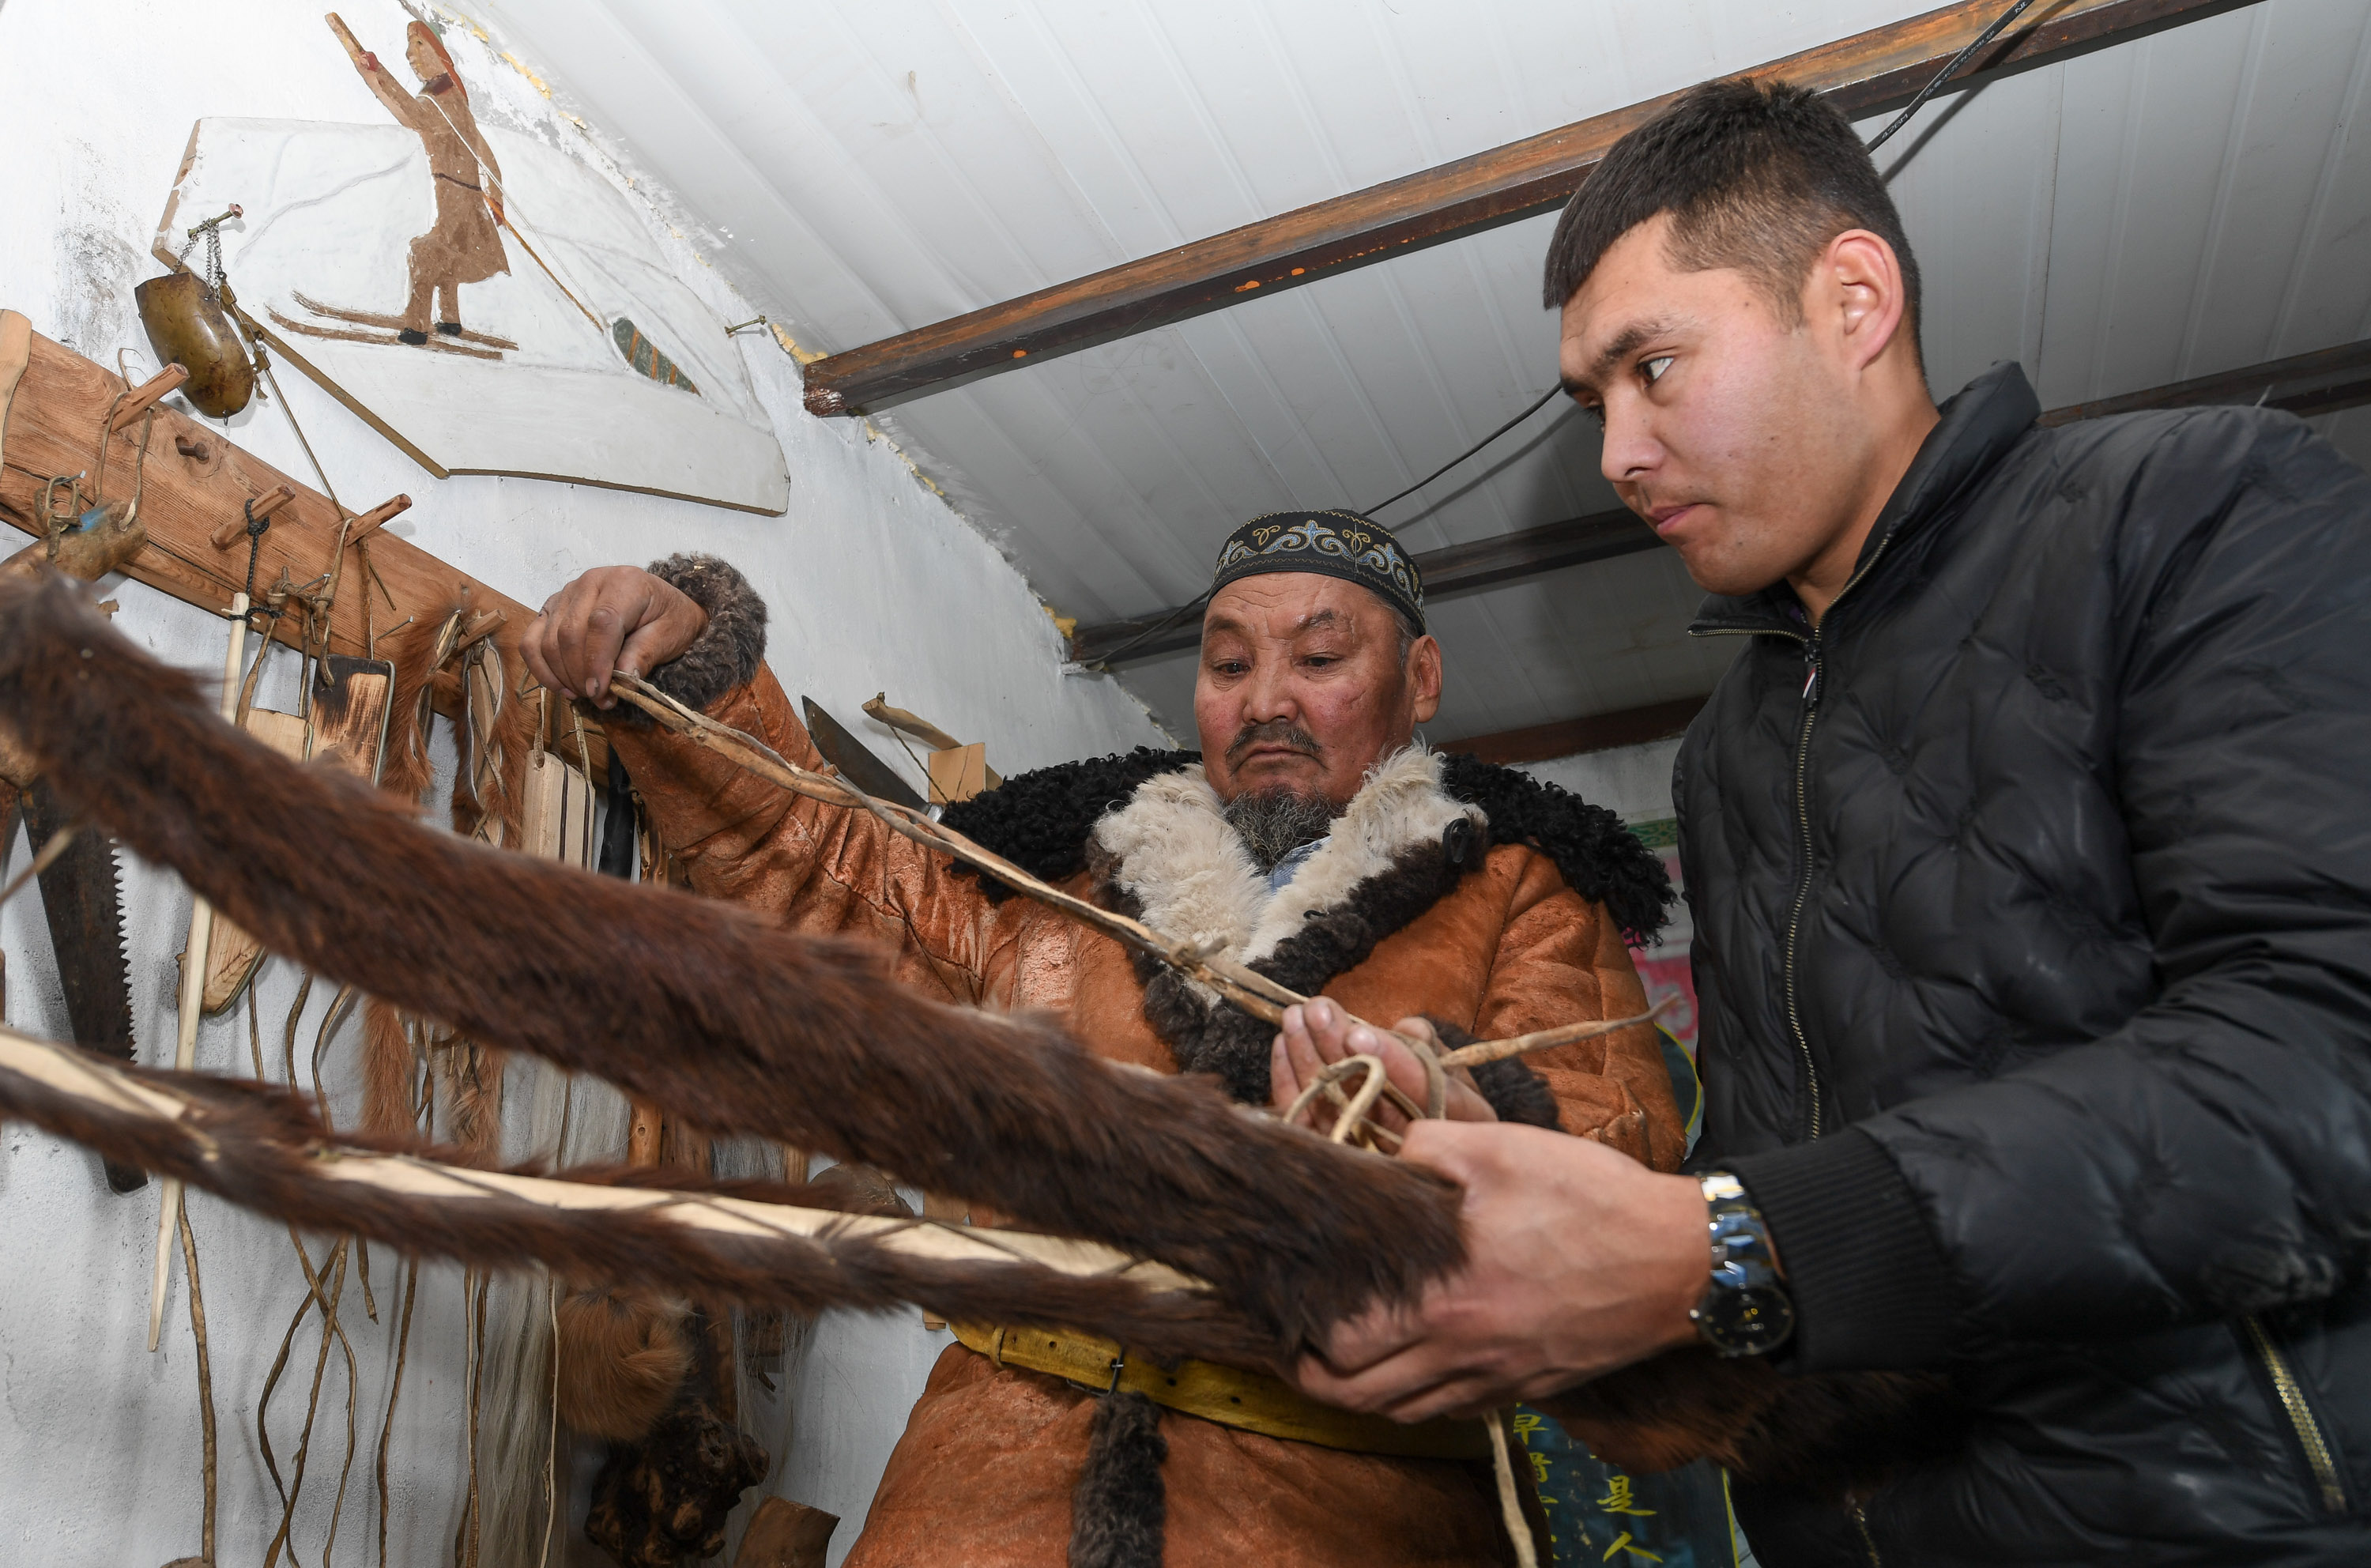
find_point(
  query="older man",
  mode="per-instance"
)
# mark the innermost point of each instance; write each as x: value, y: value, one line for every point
x: 1313, y: 839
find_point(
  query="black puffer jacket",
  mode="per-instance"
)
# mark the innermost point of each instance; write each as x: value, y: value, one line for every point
x: 2033, y: 903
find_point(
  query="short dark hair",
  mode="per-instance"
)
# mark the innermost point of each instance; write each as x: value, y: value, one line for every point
x: 1756, y: 177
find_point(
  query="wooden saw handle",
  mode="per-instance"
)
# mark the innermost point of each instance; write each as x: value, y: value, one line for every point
x: 16, y: 354
x: 922, y: 729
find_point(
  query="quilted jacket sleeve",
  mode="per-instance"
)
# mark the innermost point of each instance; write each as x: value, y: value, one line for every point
x: 2212, y: 1157
x: 1559, y: 959
x: 820, y: 869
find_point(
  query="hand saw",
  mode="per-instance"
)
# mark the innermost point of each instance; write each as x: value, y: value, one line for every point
x: 85, y: 913
x: 856, y: 763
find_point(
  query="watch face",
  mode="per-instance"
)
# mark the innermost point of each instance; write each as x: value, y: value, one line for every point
x: 1747, y: 1322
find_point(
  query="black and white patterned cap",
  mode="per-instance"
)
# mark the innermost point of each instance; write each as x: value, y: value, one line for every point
x: 1332, y: 544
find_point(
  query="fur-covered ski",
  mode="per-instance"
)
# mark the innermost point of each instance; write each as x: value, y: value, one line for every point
x: 721, y: 1016
x: 714, y: 1011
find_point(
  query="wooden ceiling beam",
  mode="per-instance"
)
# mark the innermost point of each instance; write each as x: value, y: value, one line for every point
x: 1598, y: 731
x: 1458, y: 569
x: 1865, y: 75
x: 2322, y: 382
x: 2305, y: 384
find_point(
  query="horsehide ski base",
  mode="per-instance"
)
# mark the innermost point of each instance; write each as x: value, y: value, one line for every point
x: 718, y: 1016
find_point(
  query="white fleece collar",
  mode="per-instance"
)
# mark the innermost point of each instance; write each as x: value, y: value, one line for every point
x: 1190, y: 870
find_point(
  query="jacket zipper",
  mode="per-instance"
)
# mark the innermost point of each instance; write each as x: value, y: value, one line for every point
x: 2291, y: 1394
x: 1811, y: 694
x: 1867, y: 1537
x: 1803, y: 883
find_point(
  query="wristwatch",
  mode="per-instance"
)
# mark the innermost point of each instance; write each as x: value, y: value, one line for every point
x: 1745, y: 1310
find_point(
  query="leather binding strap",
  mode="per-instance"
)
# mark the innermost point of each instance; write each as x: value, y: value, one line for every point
x: 1249, y: 1401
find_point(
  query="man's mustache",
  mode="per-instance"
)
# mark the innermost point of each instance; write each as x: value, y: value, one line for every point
x: 1278, y: 733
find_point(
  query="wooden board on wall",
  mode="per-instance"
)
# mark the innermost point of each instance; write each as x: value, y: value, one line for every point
x: 53, y: 429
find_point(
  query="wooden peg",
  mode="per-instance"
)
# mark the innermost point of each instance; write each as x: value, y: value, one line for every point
x: 155, y: 386
x: 377, y: 518
x: 196, y: 450
x: 231, y: 532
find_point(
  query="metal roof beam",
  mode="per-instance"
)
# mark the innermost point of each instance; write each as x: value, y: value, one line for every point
x: 1596, y: 732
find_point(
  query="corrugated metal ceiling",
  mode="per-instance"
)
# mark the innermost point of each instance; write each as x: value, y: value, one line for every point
x: 2190, y: 203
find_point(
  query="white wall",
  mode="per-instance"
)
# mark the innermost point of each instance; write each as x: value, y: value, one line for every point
x: 1633, y: 782
x: 872, y: 581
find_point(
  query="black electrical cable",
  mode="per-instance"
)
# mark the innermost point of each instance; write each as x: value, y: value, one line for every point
x: 1518, y: 418
x: 1164, y: 623
x: 1947, y: 71
x: 1924, y: 93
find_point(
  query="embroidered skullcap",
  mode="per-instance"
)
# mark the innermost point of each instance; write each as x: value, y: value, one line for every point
x: 1332, y: 544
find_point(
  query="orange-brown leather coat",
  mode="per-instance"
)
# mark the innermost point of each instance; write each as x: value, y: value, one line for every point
x: 984, y: 1472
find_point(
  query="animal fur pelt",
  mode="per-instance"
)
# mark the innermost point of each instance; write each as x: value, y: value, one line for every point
x: 1120, y: 1505
x: 727, y: 651
x: 663, y: 1499
x: 623, y: 1353
x: 1155, y: 837
x: 1041, y: 821
x: 264, y: 1148
x: 408, y: 771
x: 1169, y: 856
x: 741, y: 1027
x: 712, y: 1010
x: 1827, y: 1434
x: 389, y: 1100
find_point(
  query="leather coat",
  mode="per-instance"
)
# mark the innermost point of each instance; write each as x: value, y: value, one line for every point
x: 2032, y: 902
x: 983, y: 1475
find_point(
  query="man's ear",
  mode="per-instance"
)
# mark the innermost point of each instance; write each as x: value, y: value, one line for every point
x: 1424, y: 678
x: 1857, y: 286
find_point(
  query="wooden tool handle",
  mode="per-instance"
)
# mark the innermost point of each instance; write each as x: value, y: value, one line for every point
x: 16, y: 354
x: 233, y: 531
x: 919, y: 728
x: 155, y: 386
x: 377, y: 518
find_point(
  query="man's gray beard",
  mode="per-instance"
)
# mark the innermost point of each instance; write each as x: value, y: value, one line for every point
x: 1273, y: 823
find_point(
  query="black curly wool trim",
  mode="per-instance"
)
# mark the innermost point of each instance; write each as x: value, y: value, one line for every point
x: 1234, y: 1046
x: 1513, y: 1090
x: 1041, y: 821
x: 726, y: 653
x: 1119, y: 1505
x: 1600, y: 858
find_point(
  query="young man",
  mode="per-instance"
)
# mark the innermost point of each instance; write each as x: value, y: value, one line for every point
x: 1310, y: 838
x: 2026, y: 851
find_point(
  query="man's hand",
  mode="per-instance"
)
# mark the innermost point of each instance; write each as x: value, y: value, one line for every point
x: 1320, y: 1034
x: 1579, y: 1261
x: 615, y: 618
